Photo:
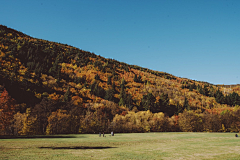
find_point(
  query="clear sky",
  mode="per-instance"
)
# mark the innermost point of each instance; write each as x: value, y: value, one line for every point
x: 196, y: 39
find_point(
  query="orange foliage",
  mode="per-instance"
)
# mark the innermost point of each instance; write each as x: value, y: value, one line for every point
x: 77, y: 100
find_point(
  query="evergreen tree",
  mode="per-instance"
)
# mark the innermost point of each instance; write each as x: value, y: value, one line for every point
x: 109, y: 95
x: 129, y: 101
x: 186, y: 105
x: 113, y: 87
x: 135, y: 78
x: 66, y: 96
x: 205, y: 90
x: 194, y: 86
x: 211, y: 92
x: 200, y: 90
x: 179, y: 109
x: 53, y: 71
x: 109, y: 82
x: 148, y: 101
x: 219, y: 97
x: 122, y: 85
x: 232, y: 99
x: 121, y: 102
x: 162, y: 104
x: 164, y: 100
x: 92, y: 86
x: 139, y: 79
x: 97, y: 77
x: 122, y: 95
x: 183, y: 86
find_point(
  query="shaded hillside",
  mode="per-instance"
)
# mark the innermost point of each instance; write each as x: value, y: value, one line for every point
x: 38, y: 72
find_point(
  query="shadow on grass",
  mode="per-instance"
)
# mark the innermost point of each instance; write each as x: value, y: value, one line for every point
x: 76, y: 147
x: 39, y: 136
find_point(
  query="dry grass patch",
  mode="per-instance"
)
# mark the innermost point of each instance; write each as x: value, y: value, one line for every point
x: 124, y: 146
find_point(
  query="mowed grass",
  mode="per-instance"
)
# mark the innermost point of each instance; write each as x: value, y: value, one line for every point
x: 180, y: 145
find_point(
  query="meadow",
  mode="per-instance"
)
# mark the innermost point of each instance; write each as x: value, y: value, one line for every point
x: 161, y: 145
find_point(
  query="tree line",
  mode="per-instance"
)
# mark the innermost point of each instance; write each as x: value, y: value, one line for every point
x: 231, y: 99
x: 56, y: 117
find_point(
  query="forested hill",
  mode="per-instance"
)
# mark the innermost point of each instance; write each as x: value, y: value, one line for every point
x: 49, y: 78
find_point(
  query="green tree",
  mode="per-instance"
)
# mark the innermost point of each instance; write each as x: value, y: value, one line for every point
x: 200, y: 89
x: 129, y: 101
x: 109, y: 95
x: 148, y: 101
x: 164, y: 100
x: 122, y: 95
x: 205, y: 90
x: 113, y: 87
x: 219, y: 97
x: 186, y: 105
x: 97, y: 77
x: 135, y: 79
x: 66, y: 97
x: 109, y: 82
x: 139, y: 79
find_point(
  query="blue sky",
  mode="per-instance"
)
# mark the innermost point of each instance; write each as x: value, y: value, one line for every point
x: 194, y: 39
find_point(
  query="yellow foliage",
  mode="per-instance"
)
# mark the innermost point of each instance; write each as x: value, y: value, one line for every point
x: 74, y: 67
x: 54, y: 96
x: 171, y: 101
x: 1, y: 54
x: 78, y: 86
x: 38, y: 95
x: 44, y: 83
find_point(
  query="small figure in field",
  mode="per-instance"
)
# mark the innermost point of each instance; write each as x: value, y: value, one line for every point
x: 236, y: 135
x: 103, y: 134
x: 99, y: 134
x: 112, y: 134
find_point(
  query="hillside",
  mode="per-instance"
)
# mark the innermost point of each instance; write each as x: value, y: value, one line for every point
x: 46, y: 79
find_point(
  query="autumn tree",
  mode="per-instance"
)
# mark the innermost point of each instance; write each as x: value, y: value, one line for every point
x: 59, y: 122
x: 7, y: 110
x: 18, y: 123
x: 30, y: 124
x: 42, y: 111
x: 211, y: 122
x: 190, y: 122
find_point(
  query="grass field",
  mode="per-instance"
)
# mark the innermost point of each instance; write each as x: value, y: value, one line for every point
x: 180, y: 145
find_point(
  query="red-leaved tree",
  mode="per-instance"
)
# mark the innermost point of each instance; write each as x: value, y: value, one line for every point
x: 7, y: 109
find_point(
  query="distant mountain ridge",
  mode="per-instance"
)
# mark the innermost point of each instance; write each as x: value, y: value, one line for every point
x: 46, y: 62
x: 39, y: 72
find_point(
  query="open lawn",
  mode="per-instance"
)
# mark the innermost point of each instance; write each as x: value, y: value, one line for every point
x: 161, y: 145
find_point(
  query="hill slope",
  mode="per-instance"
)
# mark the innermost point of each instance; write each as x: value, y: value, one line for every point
x: 35, y: 71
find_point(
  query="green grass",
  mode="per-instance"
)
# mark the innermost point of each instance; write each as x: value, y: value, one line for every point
x: 124, y: 146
